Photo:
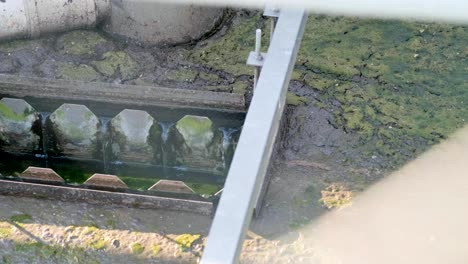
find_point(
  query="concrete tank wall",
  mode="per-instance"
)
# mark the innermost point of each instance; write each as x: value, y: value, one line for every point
x: 32, y: 18
x: 146, y: 23
x: 161, y: 23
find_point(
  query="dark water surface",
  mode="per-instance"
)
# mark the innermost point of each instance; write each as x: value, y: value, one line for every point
x: 136, y: 176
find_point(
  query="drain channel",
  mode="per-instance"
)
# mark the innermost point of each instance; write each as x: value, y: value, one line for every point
x: 131, y: 153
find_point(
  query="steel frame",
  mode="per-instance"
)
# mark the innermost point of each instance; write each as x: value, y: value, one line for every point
x: 253, y: 152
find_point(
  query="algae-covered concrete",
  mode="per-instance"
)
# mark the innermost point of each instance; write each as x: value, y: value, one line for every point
x: 136, y: 137
x: 80, y: 42
x: 118, y: 63
x: 74, y: 131
x: 401, y: 86
x: 19, y: 126
x: 368, y: 73
x: 82, y: 72
x: 196, y: 144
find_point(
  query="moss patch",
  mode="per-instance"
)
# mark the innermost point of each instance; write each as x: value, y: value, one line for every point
x: 5, y: 230
x: 293, y: 99
x: 98, y: 244
x: 80, y: 42
x: 419, y: 89
x: 240, y: 87
x: 156, y: 249
x: 230, y: 52
x: 7, y: 113
x: 21, y: 218
x: 195, y: 123
x: 91, y: 229
x: 137, y: 248
x: 210, y: 77
x: 117, y: 63
x: 182, y: 75
x: 400, y: 85
x: 82, y: 72
x: 185, y: 241
x: 195, y: 129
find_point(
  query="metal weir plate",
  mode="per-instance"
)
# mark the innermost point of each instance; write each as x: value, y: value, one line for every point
x: 150, y: 157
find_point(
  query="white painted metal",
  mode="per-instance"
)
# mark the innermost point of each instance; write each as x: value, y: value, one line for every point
x: 258, y: 42
x: 33, y: 18
x: 434, y: 10
x: 255, y: 60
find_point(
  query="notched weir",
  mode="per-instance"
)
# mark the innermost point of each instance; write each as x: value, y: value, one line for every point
x: 135, y: 152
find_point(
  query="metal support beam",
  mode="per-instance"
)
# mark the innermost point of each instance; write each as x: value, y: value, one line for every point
x: 255, y: 146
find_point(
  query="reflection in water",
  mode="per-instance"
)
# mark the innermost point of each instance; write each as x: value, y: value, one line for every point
x: 136, y: 176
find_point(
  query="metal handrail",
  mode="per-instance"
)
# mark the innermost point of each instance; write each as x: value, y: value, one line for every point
x: 253, y: 152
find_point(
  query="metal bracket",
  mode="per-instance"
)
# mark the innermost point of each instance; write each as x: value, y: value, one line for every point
x: 271, y: 11
x: 255, y: 60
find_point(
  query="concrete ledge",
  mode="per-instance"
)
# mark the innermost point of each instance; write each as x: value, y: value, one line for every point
x: 118, y: 93
x: 69, y: 194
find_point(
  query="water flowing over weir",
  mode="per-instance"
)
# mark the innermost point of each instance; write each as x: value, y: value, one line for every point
x: 190, y: 148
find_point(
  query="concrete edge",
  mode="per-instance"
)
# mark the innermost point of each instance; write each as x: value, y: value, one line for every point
x: 20, y: 86
x: 68, y: 194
